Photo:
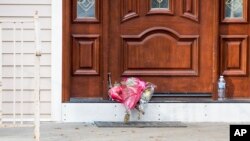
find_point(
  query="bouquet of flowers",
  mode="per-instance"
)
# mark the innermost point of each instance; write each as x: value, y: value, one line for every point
x: 133, y: 93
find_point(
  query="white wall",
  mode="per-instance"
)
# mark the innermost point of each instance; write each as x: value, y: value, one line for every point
x: 25, y: 9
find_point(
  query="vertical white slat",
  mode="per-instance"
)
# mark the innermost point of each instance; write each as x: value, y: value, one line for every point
x: 14, y: 73
x: 37, y: 78
x: 21, y: 94
x: 1, y: 99
x: 56, y: 56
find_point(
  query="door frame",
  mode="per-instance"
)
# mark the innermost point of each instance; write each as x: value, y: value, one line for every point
x: 66, y: 69
x: 56, y: 56
x: 66, y: 63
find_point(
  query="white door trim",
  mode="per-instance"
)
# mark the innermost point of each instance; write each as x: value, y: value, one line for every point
x: 56, y: 61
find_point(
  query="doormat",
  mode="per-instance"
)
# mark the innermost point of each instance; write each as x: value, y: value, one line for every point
x: 136, y: 124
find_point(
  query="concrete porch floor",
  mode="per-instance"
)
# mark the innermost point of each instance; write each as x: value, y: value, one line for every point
x: 89, y: 132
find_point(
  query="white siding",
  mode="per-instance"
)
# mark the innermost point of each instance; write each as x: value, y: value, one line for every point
x: 26, y: 2
x: 25, y: 9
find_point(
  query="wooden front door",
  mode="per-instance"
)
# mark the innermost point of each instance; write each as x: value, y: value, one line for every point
x: 182, y: 46
x: 83, y: 49
x: 234, y: 58
x: 167, y: 42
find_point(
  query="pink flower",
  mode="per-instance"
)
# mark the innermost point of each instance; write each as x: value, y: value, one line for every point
x: 132, y: 89
x: 115, y: 93
x: 128, y: 92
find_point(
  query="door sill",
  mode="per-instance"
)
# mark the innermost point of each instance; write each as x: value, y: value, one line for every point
x: 195, y: 100
x: 165, y: 100
x: 90, y: 100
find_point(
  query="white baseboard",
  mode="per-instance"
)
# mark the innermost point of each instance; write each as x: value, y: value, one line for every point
x: 185, y: 112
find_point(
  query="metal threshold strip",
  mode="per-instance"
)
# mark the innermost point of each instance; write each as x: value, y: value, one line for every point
x: 168, y: 98
x: 183, y: 95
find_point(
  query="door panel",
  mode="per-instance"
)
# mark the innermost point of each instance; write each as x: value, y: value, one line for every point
x: 234, y: 47
x: 82, y: 46
x: 171, y: 47
x: 141, y: 54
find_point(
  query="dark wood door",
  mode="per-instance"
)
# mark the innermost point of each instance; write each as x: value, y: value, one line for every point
x: 167, y: 42
x: 180, y: 45
x: 84, y: 42
x: 234, y: 47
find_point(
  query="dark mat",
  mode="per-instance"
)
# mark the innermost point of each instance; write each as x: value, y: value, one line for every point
x: 136, y: 124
